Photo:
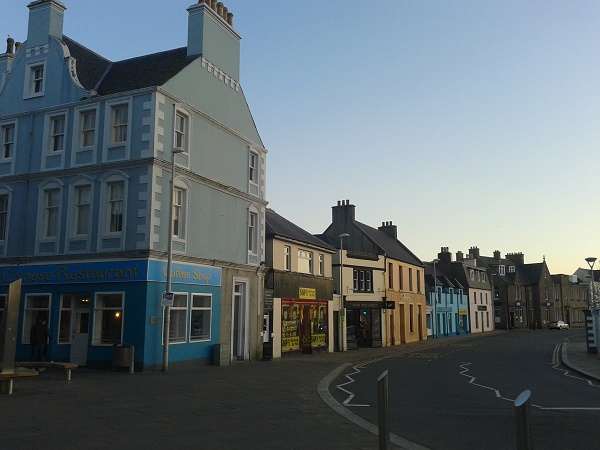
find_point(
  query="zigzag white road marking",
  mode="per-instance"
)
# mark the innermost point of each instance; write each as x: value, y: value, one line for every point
x: 499, y: 395
x: 350, y: 394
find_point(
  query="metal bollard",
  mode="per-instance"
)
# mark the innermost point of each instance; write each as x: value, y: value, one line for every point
x: 383, y: 411
x: 523, y: 421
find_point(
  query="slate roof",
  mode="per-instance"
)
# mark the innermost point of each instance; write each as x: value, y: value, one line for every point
x: 106, y: 77
x: 393, y: 248
x: 279, y: 227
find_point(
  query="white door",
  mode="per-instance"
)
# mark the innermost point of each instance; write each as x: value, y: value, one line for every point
x: 79, y: 336
x: 239, y: 331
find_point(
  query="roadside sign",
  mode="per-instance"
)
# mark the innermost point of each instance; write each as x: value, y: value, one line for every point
x: 167, y: 299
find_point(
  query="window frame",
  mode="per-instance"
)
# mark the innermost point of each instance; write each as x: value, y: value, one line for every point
x: 28, y: 312
x: 321, y: 265
x: 362, y: 280
x: 112, y: 208
x: 174, y: 312
x: 202, y: 337
x: 4, y: 215
x: 8, y: 145
x: 98, y: 319
x: 118, y: 128
x: 30, y: 89
x: 77, y: 208
x: 181, y: 136
x: 253, y: 165
x: 253, y: 233
x: 287, y: 258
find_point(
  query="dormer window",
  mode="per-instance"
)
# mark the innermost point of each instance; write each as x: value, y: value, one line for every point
x: 501, y: 270
x: 511, y: 269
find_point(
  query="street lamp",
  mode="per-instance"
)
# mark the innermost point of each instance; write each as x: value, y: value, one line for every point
x: 593, y: 307
x: 342, y: 341
x: 434, y: 330
x: 167, y: 317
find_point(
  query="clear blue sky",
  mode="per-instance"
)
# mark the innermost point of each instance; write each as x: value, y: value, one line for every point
x: 465, y: 123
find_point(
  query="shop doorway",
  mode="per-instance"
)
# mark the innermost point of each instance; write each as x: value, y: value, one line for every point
x: 80, y: 329
x: 239, y: 327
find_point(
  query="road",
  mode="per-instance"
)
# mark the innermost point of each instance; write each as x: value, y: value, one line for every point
x: 460, y: 395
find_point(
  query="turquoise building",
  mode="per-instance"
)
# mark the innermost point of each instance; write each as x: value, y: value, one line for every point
x: 86, y: 153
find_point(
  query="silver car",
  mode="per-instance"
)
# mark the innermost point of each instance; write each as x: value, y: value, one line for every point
x: 558, y: 325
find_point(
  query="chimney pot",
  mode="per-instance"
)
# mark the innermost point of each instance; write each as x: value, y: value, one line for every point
x: 220, y: 8
x: 230, y: 18
x: 9, y: 45
x: 225, y: 11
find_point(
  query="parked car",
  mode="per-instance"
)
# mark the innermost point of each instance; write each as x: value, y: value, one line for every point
x: 558, y: 325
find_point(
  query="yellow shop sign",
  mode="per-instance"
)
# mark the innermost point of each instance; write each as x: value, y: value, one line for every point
x: 308, y: 293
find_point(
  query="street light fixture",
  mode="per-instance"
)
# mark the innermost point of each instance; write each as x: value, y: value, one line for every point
x: 593, y: 307
x: 167, y: 316
x: 342, y: 342
x: 434, y: 330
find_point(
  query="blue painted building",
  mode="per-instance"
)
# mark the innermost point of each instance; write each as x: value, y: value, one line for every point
x: 86, y: 153
x: 447, y: 306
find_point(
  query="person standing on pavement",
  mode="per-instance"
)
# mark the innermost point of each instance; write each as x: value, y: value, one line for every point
x: 38, y: 339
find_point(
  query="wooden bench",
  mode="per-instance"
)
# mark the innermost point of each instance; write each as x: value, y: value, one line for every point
x: 6, y: 379
x: 66, y: 366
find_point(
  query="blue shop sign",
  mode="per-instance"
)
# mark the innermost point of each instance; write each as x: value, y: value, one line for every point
x: 99, y: 272
x: 185, y: 273
x: 110, y: 272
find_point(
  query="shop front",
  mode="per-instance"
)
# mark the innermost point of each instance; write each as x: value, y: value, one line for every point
x: 303, y: 326
x: 364, y: 324
x: 91, y: 307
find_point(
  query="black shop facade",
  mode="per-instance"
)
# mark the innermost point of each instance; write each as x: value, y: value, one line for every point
x: 364, y: 321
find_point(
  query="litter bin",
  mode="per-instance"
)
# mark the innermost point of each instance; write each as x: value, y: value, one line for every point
x: 123, y: 356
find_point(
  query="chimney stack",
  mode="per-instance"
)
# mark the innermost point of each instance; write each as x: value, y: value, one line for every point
x: 444, y: 255
x: 474, y: 252
x: 497, y: 255
x: 459, y: 256
x: 211, y: 35
x: 9, y: 45
x: 45, y: 20
x: 389, y: 229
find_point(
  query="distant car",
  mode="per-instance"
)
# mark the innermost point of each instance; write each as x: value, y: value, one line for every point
x: 558, y: 325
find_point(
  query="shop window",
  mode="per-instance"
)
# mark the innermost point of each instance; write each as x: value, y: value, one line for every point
x: 200, y: 318
x: 37, y: 307
x: 108, y: 319
x: 178, y: 319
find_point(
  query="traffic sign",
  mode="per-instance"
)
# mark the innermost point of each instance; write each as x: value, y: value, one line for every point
x: 167, y: 299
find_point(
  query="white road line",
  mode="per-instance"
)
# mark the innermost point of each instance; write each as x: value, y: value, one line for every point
x: 350, y: 394
x: 472, y: 379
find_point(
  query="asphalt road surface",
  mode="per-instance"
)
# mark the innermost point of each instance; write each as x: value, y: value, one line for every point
x: 460, y: 395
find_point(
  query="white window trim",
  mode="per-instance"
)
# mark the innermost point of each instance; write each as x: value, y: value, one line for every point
x: 181, y: 184
x: 108, y: 127
x: 28, y: 85
x: 7, y: 191
x: 27, y: 326
x: 72, y: 213
x: 77, y: 143
x: 41, y: 223
x: 253, y: 212
x: 256, y: 169
x: 192, y: 308
x: 187, y: 319
x: 103, y: 218
x: 47, y: 142
x: 4, y: 125
x: 95, y: 343
x: 187, y: 132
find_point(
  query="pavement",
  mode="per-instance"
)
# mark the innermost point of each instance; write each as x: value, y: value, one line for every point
x: 278, y: 404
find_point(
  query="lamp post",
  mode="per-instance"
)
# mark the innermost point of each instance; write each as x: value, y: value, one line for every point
x: 342, y: 342
x: 167, y: 316
x: 434, y: 329
x: 593, y: 307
